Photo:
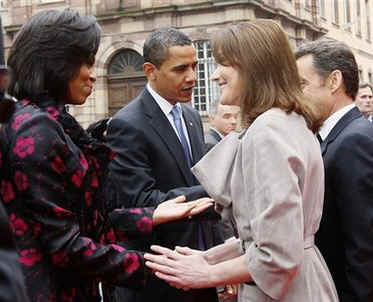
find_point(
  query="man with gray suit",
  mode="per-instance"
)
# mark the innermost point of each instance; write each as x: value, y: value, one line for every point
x: 223, y: 120
x: 158, y: 138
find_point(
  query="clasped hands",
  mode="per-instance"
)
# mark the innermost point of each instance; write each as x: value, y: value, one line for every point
x: 185, y: 268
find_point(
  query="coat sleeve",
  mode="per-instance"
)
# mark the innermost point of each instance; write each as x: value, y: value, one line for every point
x: 354, y: 187
x: 271, y: 186
x: 48, y: 171
x: 132, y: 165
x: 12, y: 287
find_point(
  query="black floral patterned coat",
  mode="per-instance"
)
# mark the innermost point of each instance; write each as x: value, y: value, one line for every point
x: 51, y: 179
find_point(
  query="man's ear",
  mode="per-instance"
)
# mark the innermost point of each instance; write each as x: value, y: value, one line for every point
x: 149, y: 70
x: 335, y: 80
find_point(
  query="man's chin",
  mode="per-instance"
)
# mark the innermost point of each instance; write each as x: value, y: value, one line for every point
x: 185, y: 100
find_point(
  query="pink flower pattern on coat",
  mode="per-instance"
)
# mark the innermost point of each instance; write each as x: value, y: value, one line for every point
x: 131, y: 262
x: 77, y: 178
x: 7, y: 191
x: 52, y: 191
x: 53, y: 112
x: 19, y: 227
x: 145, y: 224
x: 24, y: 147
x: 58, y: 165
x: 30, y: 257
x: 60, y: 259
x: 19, y: 119
x: 20, y: 180
x: 135, y: 211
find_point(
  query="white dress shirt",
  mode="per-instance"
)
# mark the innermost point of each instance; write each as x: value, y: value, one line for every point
x: 332, y: 120
x: 166, y: 108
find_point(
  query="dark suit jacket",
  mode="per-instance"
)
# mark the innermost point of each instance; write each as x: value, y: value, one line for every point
x: 345, y: 237
x: 211, y: 138
x: 149, y: 168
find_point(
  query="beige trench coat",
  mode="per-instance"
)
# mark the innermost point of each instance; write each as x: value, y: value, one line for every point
x: 272, y: 178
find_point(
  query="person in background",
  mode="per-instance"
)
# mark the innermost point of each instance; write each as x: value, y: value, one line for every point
x: 223, y: 120
x: 330, y: 76
x: 364, y: 101
x: 271, y: 176
x: 157, y: 138
x: 53, y: 172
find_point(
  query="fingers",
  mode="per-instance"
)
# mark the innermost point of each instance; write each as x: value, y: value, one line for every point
x: 200, y: 201
x: 184, y: 250
x: 179, y: 199
x: 161, y: 264
x: 203, y: 200
x: 200, y: 208
x: 160, y: 250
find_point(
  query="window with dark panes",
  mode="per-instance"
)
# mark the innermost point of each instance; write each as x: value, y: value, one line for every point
x: 205, y: 90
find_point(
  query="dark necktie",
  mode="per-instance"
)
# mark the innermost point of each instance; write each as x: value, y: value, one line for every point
x: 319, y: 138
x: 177, y: 122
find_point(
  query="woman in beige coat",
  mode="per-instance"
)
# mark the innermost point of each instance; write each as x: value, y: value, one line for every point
x: 271, y: 177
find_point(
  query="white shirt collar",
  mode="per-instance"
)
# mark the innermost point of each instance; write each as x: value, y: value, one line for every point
x: 332, y: 120
x: 165, y: 105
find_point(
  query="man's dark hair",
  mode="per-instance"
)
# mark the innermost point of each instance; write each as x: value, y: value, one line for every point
x: 156, y: 45
x: 49, y: 51
x: 329, y: 55
x: 365, y: 85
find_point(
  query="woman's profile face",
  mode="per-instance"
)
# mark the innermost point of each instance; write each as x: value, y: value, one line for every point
x: 228, y: 79
x: 81, y: 85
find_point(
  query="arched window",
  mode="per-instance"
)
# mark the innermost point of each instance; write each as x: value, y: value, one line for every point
x: 125, y: 78
x: 126, y: 61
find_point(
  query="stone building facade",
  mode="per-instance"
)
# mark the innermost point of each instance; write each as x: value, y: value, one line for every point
x: 126, y: 23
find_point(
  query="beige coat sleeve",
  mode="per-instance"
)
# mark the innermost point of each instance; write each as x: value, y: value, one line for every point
x: 270, y: 168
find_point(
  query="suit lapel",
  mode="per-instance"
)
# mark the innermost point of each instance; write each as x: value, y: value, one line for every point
x: 351, y: 115
x: 215, y: 135
x: 162, y: 127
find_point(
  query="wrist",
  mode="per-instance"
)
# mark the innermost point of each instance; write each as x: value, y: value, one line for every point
x: 212, y: 276
x: 208, y: 257
x: 156, y: 217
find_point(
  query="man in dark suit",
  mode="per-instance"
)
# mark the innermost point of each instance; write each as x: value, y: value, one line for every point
x: 330, y: 77
x: 157, y: 139
x: 223, y: 120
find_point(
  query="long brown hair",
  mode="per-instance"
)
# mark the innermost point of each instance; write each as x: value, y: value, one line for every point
x: 261, y: 51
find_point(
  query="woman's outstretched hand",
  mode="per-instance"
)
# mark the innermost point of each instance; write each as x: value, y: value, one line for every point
x: 185, y: 271
x: 177, y: 208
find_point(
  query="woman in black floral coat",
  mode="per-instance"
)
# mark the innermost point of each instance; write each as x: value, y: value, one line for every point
x: 52, y: 171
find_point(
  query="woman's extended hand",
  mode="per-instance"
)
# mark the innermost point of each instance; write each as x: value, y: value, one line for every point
x: 180, y: 271
x: 177, y: 208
